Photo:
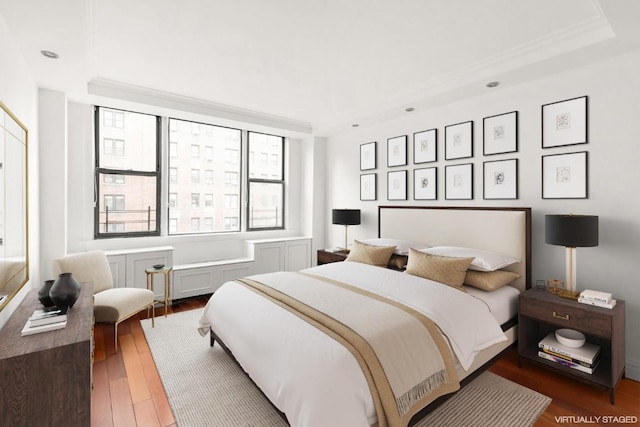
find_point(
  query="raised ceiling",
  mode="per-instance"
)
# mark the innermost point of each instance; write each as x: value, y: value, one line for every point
x: 320, y: 64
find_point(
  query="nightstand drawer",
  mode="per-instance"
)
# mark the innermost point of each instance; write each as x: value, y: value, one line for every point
x: 568, y: 317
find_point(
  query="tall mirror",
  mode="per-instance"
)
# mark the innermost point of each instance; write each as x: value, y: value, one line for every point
x: 14, y: 251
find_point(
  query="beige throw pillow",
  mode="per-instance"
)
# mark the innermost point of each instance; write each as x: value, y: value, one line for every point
x: 448, y: 270
x: 489, y: 280
x: 370, y: 254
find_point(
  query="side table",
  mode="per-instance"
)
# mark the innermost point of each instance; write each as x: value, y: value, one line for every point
x: 167, y: 272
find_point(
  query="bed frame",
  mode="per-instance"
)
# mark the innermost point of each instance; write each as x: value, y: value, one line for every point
x: 504, y: 230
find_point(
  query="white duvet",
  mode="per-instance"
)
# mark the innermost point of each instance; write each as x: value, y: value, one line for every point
x: 309, y: 376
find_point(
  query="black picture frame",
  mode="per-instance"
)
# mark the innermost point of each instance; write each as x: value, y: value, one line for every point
x: 425, y: 183
x: 565, y: 122
x: 397, y: 185
x: 500, y: 134
x: 369, y: 187
x: 458, y: 182
x: 565, y: 176
x: 368, y: 156
x: 397, y: 151
x: 500, y: 179
x: 425, y: 146
x: 458, y: 141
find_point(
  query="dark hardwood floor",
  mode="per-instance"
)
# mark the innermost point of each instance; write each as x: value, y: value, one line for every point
x: 128, y: 391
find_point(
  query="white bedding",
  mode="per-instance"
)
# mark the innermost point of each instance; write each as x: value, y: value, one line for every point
x: 502, y: 302
x: 310, y: 377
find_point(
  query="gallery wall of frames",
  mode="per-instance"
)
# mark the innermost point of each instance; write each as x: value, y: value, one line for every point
x: 564, y: 175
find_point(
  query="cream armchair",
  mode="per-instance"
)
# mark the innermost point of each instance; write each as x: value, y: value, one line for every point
x: 110, y: 305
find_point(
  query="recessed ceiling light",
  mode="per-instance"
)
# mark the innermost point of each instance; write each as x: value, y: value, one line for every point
x: 355, y: 125
x: 493, y: 84
x: 49, y: 54
x: 409, y: 109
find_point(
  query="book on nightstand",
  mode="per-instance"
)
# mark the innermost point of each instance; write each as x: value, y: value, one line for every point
x: 588, y: 353
x: 564, y: 362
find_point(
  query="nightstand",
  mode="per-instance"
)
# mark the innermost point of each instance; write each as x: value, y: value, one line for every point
x: 325, y: 257
x: 541, y: 313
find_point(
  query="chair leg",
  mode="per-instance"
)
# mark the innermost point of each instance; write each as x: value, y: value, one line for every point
x: 116, y: 335
x: 153, y: 317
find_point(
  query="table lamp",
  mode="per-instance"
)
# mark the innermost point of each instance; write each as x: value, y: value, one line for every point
x: 571, y: 231
x: 346, y: 217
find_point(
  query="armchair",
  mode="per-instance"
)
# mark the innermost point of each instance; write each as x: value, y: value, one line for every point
x: 110, y: 305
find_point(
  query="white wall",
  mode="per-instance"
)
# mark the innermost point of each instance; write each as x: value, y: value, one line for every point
x: 613, y: 88
x: 18, y: 92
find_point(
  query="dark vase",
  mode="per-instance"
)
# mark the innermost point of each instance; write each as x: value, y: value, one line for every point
x: 43, y: 293
x: 65, y: 291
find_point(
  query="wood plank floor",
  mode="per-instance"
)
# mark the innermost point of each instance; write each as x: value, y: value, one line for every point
x: 128, y: 391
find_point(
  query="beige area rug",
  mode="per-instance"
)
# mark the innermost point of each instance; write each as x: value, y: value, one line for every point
x: 206, y: 388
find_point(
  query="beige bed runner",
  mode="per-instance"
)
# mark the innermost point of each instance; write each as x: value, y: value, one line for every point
x: 404, y: 357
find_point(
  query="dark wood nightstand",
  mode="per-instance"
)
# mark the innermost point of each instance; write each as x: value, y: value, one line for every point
x: 541, y: 313
x: 325, y: 257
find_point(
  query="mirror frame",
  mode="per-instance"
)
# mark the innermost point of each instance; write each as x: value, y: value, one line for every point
x: 25, y: 181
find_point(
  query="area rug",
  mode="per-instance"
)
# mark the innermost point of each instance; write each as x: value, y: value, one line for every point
x: 206, y: 388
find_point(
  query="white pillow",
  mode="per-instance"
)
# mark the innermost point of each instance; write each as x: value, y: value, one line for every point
x: 402, y: 246
x: 483, y: 260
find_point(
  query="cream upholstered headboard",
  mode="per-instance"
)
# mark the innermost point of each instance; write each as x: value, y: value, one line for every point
x: 503, y: 230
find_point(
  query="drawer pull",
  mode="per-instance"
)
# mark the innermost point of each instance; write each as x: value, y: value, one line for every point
x: 557, y: 316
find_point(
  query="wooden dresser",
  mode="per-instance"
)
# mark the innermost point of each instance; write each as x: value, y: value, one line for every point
x: 45, y: 378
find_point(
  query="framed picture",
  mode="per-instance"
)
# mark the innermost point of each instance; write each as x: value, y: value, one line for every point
x: 458, y: 141
x: 368, y: 186
x: 425, y: 184
x: 425, y: 146
x: 501, y: 179
x: 564, y: 123
x: 368, y: 156
x: 397, y: 151
x: 500, y: 134
x: 397, y: 185
x: 458, y: 182
x: 564, y: 176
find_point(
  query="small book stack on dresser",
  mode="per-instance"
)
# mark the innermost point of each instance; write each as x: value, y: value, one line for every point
x: 45, y: 319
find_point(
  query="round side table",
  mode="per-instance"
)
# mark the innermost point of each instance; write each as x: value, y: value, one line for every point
x: 166, y: 271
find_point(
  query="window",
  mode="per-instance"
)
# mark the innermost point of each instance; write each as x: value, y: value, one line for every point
x: 173, y: 149
x: 173, y: 200
x: 114, y: 202
x: 195, y: 176
x: 113, y: 179
x: 209, y: 140
x: 113, y: 118
x: 113, y: 147
x: 208, y: 177
x: 231, y: 223
x: 231, y: 155
x: 266, y: 182
x: 135, y: 170
x: 230, y: 201
x: 195, y: 224
x: 231, y: 178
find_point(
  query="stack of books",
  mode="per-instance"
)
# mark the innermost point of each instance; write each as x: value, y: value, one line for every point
x: 43, y: 320
x: 597, y: 298
x: 583, y: 359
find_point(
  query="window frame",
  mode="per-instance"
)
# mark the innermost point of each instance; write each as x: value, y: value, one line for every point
x: 157, y: 174
x: 282, y: 182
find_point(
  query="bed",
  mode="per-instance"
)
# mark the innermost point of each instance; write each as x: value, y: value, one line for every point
x: 312, y: 378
